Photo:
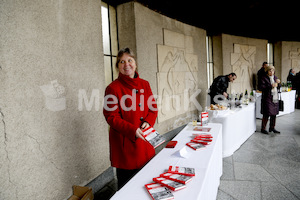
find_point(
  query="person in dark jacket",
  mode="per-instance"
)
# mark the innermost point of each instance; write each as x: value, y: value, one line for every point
x: 219, y: 87
x: 292, y: 78
x: 269, y: 101
x: 261, y: 73
x: 297, y: 83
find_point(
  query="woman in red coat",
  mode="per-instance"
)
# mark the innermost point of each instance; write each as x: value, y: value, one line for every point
x: 129, y: 108
x: 269, y: 101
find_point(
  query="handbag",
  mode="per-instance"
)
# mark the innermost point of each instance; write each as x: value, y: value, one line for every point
x: 281, y: 103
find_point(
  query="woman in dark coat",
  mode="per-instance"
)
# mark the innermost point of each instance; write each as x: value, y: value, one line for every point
x: 269, y: 101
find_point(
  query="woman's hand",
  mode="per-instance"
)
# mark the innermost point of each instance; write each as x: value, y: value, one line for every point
x: 145, y: 125
x: 277, y: 80
x: 139, y: 134
x: 274, y: 85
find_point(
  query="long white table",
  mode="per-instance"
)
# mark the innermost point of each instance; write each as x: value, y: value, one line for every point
x: 288, y: 98
x: 207, y: 164
x: 238, y: 125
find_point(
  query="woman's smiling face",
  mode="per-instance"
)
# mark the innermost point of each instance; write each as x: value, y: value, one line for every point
x: 127, y: 65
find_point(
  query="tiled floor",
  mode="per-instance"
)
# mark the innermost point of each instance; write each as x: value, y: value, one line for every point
x: 265, y: 167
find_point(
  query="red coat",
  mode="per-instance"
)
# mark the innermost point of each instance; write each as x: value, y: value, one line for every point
x: 127, y: 152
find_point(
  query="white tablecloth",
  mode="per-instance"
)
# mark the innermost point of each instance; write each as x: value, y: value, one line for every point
x: 207, y: 164
x: 289, y: 103
x: 238, y: 125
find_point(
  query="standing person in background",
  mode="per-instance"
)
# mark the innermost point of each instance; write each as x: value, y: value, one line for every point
x: 297, y: 83
x: 260, y: 74
x: 127, y: 114
x: 269, y: 100
x: 292, y: 78
x: 219, y: 87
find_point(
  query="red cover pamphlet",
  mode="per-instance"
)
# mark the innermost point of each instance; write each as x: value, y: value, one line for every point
x: 171, y: 144
x: 182, y: 170
x: 203, y: 139
x: 200, y: 141
x: 204, y: 118
x: 202, y: 129
x: 202, y: 136
x: 159, y: 192
x: 173, y: 185
x: 195, y: 146
x: 177, y: 177
x: 153, y: 137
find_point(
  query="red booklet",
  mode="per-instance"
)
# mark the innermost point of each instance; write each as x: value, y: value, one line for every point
x: 171, y: 144
x: 203, y: 136
x: 202, y: 129
x: 172, y: 185
x: 195, y: 146
x: 203, y: 139
x: 200, y: 141
x: 153, y: 137
x: 182, y: 170
x: 159, y: 192
x: 177, y: 177
x: 204, y: 118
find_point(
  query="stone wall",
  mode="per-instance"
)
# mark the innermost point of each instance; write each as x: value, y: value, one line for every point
x: 290, y: 58
x: 229, y: 48
x: 51, y: 61
x: 148, y: 27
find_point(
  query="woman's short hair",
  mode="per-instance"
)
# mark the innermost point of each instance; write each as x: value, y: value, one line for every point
x: 270, y: 67
x: 122, y: 52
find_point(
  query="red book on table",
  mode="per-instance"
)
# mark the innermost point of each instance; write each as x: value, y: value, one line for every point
x: 203, y: 139
x: 195, y: 146
x: 203, y: 135
x: 200, y: 141
x: 171, y: 144
x: 177, y: 177
x: 172, y: 185
x: 159, y: 192
x: 187, y: 171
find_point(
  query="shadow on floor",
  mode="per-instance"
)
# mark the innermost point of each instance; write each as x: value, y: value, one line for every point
x: 107, y: 191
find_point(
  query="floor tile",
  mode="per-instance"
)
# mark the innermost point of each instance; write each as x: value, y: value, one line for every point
x: 251, y: 172
x: 241, y: 190
x: 294, y: 187
x: 223, y: 196
x: 228, y: 173
x: 252, y: 156
x: 284, y: 170
x: 228, y: 160
x: 297, y: 139
x: 276, y: 191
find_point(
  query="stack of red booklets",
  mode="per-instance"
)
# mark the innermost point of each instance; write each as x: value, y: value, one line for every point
x: 204, y: 118
x: 153, y: 137
x: 200, y: 141
x: 174, y: 179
